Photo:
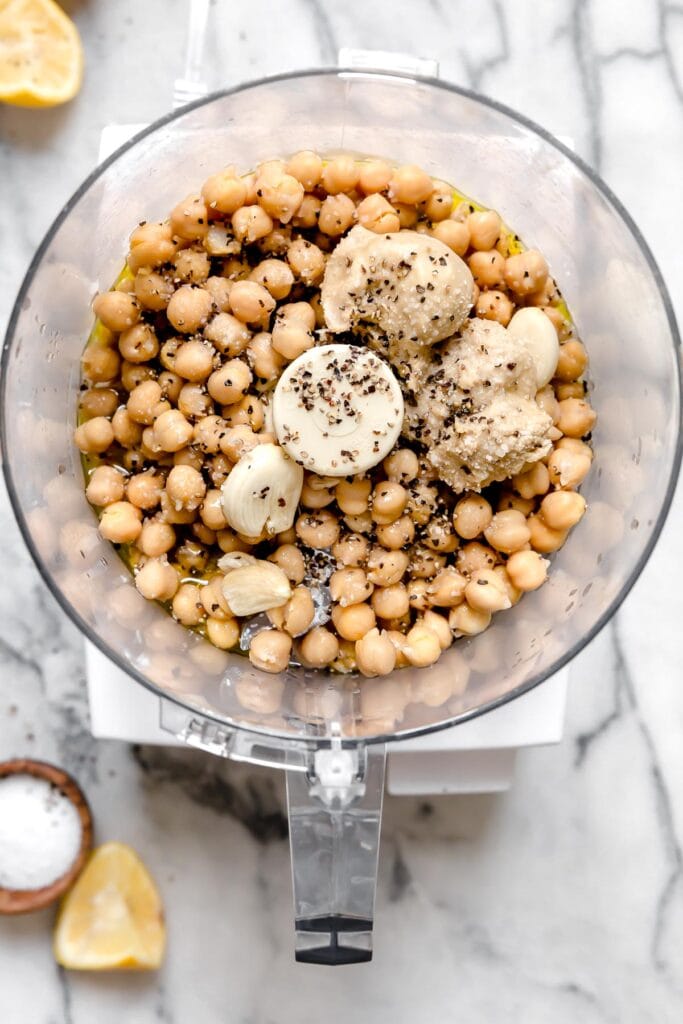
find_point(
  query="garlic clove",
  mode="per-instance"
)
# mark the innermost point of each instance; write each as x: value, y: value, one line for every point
x: 256, y: 587
x: 262, y: 491
x: 532, y: 329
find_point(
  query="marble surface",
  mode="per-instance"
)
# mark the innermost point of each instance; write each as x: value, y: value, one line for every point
x: 562, y: 900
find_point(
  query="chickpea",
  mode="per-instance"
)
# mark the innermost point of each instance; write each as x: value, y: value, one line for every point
x: 170, y: 514
x: 423, y: 500
x: 157, y: 580
x: 275, y: 275
x: 291, y: 338
x: 375, y: 654
x: 94, y: 436
x: 527, y: 570
x: 185, y: 487
x: 307, y: 214
x: 223, y: 633
x: 377, y: 214
x: 276, y: 242
x: 224, y: 192
x: 206, y: 434
x: 487, y: 268
x: 213, y: 600
x: 116, y: 310
x: 507, y: 531
x: 211, y: 510
x: 576, y: 389
x: 486, y: 593
x: 351, y: 549
x: 152, y: 290
x: 237, y: 441
x: 279, y: 194
x: 438, y: 625
x: 290, y: 560
x: 314, y: 498
x: 401, y: 466
x: 387, y: 568
x: 485, y: 228
x: 270, y: 650
x: 98, y: 402
x: 189, y: 457
x: 471, y: 516
x: 341, y: 174
x: 302, y: 312
x: 572, y: 362
x: 353, y: 622
x: 359, y: 524
x: 125, y: 430
x: 143, y: 401
x: 494, y: 305
x: 424, y: 563
x: 189, y: 308
x: 186, y: 606
x: 440, y: 204
x: 407, y: 217
x: 247, y: 412
x: 227, y: 334
x: 467, y: 621
x: 105, y: 486
x: 398, y: 534
x: 138, y: 344
x: 543, y: 537
x: 307, y: 167
x: 418, y: 597
x: 525, y: 272
x: 251, y: 302
x: 155, y: 538
x: 265, y: 362
x: 172, y: 431
x: 440, y: 536
x: 375, y: 176
x: 350, y: 586
x: 410, y: 184
x: 576, y: 418
x: 100, y: 364
x: 230, y: 383
x: 318, y: 529
x: 144, y: 489
x: 190, y: 219
x: 306, y: 260
x: 151, y: 245
x: 121, y: 522
x: 388, y: 502
x: 192, y: 266
x: 473, y: 557
x: 454, y: 234
x: 533, y: 481
x: 336, y: 215
x: 447, y: 589
x: 508, y: 500
x: 318, y: 648
x: 250, y: 223
x: 562, y: 509
x: 352, y: 495
x: 219, y: 289
x: 390, y: 602
x: 423, y: 646
x: 296, y: 615
x: 194, y: 402
x: 194, y: 360
x: 568, y: 468
x: 149, y: 446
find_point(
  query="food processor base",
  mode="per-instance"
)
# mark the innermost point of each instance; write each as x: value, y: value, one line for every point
x: 475, y: 757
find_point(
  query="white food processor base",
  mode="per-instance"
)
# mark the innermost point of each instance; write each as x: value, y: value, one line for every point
x: 475, y: 757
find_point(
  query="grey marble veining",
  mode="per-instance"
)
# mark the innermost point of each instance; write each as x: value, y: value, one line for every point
x: 561, y: 901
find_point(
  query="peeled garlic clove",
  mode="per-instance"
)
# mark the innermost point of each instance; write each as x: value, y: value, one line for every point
x: 533, y: 330
x: 262, y: 492
x: 255, y: 588
x: 235, y: 560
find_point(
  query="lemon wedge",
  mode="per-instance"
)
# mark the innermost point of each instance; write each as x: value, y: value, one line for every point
x: 113, y: 918
x: 41, y: 57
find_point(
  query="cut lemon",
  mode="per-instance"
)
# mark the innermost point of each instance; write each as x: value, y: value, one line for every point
x: 41, y: 58
x: 112, y: 919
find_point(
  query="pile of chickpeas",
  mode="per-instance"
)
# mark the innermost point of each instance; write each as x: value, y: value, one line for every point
x: 178, y: 372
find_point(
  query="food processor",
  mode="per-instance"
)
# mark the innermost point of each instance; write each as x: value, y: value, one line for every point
x: 331, y: 732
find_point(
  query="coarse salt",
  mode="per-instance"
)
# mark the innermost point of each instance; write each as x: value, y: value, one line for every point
x: 40, y: 832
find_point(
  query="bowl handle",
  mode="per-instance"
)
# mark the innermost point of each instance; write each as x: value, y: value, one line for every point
x: 335, y: 810
x: 386, y: 60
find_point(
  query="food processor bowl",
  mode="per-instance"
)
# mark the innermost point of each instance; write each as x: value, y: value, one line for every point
x: 330, y: 730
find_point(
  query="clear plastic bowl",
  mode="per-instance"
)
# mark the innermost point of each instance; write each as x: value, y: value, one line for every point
x: 611, y: 284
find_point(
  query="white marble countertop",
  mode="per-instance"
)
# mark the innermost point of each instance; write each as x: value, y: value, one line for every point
x: 561, y: 901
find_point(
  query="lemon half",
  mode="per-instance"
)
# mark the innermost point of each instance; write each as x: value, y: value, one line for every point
x: 41, y: 57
